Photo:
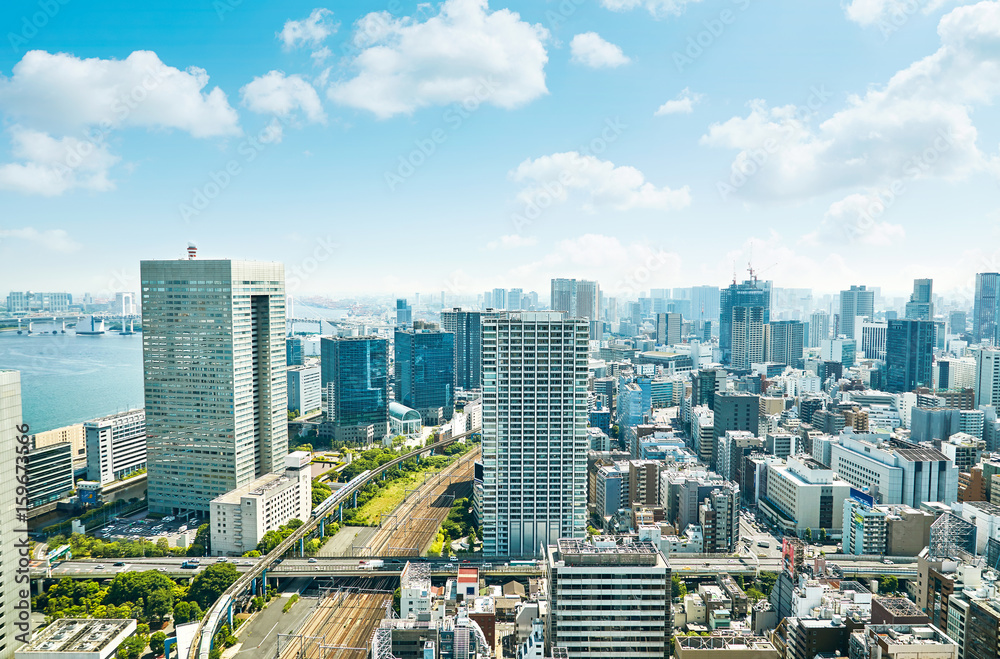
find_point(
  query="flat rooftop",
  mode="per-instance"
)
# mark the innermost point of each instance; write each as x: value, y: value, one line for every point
x: 256, y: 488
x: 79, y: 635
x: 607, y: 550
x: 725, y: 642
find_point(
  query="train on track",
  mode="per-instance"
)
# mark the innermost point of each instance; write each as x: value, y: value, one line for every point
x: 325, y: 507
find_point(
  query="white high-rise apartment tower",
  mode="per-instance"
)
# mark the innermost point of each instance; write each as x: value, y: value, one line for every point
x: 214, y: 367
x: 987, y: 376
x: 10, y: 419
x: 534, y: 432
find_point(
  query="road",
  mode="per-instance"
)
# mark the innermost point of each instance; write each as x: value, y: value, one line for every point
x: 261, y: 639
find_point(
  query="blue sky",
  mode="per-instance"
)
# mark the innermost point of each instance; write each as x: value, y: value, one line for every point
x: 840, y: 142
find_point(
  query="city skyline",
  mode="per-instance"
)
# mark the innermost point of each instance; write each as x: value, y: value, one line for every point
x: 644, y: 107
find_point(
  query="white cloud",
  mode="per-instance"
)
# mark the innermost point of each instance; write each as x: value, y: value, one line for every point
x: 61, y: 93
x: 607, y: 186
x: 512, y: 241
x: 53, y: 166
x: 856, y: 219
x: 320, y: 56
x: 889, y: 12
x: 283, y: 96
x: 463, y: 53
x: 624, y: 269
x: 683, y: 104
x: 311, y: 31
x: 657, y: 8
x: 916, y: 126
x: 58, y: 240
x: 591, y: 50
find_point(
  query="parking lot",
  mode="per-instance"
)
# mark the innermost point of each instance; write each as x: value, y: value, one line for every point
x: 146, y: 528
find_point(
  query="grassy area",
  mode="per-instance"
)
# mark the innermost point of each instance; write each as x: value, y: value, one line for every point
x: 388, y: 498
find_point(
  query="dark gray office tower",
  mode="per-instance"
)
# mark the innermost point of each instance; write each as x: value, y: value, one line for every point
x: 909, y: 352
x: 668, y: 329
x: 921, y: 304
x: 957, y: 322
x: 425, y: 373
x: 295, y: 351
x: 735, y: 411
x: 705, y: 384
x: 467, y: 326
x: 784, y: 342
x: 751, y: 293
x: 984, y: 314
x: 858, y: 301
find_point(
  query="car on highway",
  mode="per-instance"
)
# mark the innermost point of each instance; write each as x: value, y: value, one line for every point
x: 119, y: 564
x: 99, y: 566
x: 313, y: 560
x: 449, y: 566
x: 222, y: 559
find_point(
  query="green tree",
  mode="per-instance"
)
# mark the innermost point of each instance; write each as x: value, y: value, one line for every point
x: 156, y: 642
x: 678, y: 587
x: 211, y: 582
x: 822, y: 535
x: 766, y: 581
x: 808, y: 535
x: 887, y: 584
x: 186, y: 612
x: 159, y: 605
x: 320, y: 492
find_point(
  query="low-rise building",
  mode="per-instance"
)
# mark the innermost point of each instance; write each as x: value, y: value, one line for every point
x: 241, y: 517
x: 78, y: 638
x: 724, y: 645
x: 305, y: 392
x: 901, y: 642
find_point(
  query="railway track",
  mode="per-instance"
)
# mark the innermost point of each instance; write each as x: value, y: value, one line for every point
x: 412, y: 526
x: 340, y: 627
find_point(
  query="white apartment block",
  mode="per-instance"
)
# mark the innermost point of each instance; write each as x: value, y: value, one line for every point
x: 116, y: 446
x: 214, y: 368
x: 239, y: 519
x: 987, y: 380
x: 534, y: 431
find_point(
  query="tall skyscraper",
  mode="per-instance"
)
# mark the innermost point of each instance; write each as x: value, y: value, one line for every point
x: 957, y: 322
x: 909, y: 353
x: 984, y: 313
x: 10, y: 419
x: 355, y: 374
x: 425, y: 373
x: 751, y: 293
x: 214, y: 366
x: 921, y: 304
x: 734, y: 411
x: 514, y: 298
x: 467, y: 326
x: 404, y: 314
x: 499, y: 298
x: 534, y: 432
x: 578, y: 298
x: 784, y: 342
x: 668, y: 328
x: 295, y: 351
x: 857, y: 301
x: 819, y: 328
x: 705, y: 303
x: 748, y: 337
